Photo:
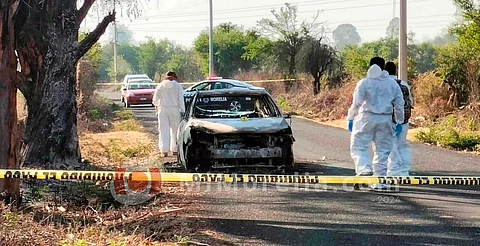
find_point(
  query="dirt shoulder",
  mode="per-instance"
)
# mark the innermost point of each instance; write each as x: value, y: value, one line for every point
x: 343, y: 124
x: 89, y: 213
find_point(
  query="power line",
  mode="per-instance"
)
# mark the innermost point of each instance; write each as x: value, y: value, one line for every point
x: 360, y: 28
x: 248, y: 9
x: 263, y: 15
x: 328, y: 23
x: 357, y: 26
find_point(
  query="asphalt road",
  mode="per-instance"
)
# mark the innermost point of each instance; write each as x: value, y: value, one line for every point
x: 335, y: 215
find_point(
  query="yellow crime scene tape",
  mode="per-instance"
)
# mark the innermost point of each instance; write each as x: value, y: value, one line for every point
x: 193, y: 83
x: 155, y: 175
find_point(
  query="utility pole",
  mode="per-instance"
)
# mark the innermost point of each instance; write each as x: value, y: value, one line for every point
x: 211, y: 39
x: 394, y: 9
x: 402, y: 61
x: 115, y: 40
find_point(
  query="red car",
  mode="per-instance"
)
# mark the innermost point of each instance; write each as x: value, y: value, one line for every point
x: 138, y: 92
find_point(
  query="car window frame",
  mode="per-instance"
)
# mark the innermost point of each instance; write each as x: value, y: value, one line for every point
x: 266, y: 99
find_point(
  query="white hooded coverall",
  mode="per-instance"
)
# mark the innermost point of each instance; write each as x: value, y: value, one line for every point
x: 371, y: 112
x: 400, y: 159
x: 168, y: 97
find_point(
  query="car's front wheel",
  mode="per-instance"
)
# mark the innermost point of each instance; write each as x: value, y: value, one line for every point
x: 288, y: 160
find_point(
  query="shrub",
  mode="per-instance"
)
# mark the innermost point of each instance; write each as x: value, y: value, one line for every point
x: 445, y: 134
x: 119, y: 150
x: 127, y: 125
x: 431, y: 96
x: 283, y: 104
x: 125, y: 115
x: 95, y: 113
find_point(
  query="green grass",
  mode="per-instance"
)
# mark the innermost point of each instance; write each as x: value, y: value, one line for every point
x: 446, y: 134
x: 283, y: 104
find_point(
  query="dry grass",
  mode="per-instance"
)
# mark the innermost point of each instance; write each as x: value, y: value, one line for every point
x: 328, y: 105
x: 108, y: 88
x: 118, y: 148
x: 21, y: 106
x: 431, y: 97
x: 71, y: 223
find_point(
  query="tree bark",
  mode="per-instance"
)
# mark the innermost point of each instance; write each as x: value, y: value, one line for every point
x: 48, y: 51
x: 9, y: 190
x: 51, y: 130
x: 316, y: 85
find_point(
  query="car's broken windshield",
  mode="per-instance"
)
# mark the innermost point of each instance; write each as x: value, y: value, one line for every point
x: 233, y: 107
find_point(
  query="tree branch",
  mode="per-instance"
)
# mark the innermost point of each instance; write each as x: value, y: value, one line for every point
x: 93, y: 37
x: 83, y: 11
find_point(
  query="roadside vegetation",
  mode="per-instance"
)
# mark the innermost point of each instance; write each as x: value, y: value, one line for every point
x: 86, y: 213
x: 443, y: 71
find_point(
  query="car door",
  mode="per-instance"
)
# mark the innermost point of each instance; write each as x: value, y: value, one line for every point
x: 183, y: 130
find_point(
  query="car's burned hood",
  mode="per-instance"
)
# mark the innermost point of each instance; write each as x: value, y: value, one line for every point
x: 236, y: 125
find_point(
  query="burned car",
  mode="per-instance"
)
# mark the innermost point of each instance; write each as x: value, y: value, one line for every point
x: 233, y: 128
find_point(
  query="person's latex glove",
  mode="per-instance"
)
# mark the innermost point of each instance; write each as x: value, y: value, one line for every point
x: 350, y: 125
x: 398, y: 129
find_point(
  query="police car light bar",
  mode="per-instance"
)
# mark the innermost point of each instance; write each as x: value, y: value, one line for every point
x: 213, y: 78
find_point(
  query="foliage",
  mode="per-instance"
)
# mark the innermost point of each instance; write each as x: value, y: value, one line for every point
x: 94, y: 54
x: 123, y: 68
x: 446, y: 135
x: 393, y: 28
x: 229, y: 41
x: 317, y: 58
x: 87, y: 76
x: 283, y: 104
x: 451, y: 62
x: 424, y: 55
x: 261, y: 51
x: 183, y: 62
x: 127, y: 125
x: 468, y: 30
x: 290, y: 35
x: 128, y: 52
x: 118, y: 150
x: 151, y: 54
x: 346, y: 34
x: 125, y: 115
x: 357, y: 57
x: 444, y: 38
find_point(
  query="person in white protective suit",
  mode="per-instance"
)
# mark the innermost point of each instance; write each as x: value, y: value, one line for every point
x: 170, y: 107
x: 400, y: 159
x: 370, y: 120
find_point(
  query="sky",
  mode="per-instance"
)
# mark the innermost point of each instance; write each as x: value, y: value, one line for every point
x: 181, y: 21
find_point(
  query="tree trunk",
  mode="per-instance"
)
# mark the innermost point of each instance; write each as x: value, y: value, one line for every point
x: 48, y: 48
x: 8, y: 98
x: 51, y: 131
x: 316, y: 86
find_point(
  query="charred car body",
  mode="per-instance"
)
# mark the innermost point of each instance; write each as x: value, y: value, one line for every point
x: 237, y: 127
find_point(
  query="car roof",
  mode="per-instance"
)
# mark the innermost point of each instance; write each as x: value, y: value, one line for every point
x: 136, y: 75
x: 234, y: 91
x: 234, y: 82
x: 141, y: 79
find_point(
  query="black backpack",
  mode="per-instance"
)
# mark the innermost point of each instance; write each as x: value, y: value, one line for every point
x: 408, y: 103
